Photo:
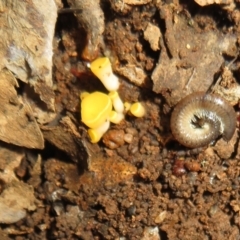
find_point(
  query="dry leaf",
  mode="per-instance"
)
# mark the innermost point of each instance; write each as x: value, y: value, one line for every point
x: 17, y: 123
x: 136, y: 2
x: 27, y: 30
x: 209, y: 2
x: 90, y: 16
x: 14, y: 200
x: 195, y: 57
x: 10, y: 158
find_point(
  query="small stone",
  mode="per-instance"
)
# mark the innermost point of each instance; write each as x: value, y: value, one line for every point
x: 114, y: 138
x: 152, y: 34
x: 160, y: 217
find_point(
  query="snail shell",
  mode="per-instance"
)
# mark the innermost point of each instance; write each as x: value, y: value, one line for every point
x: 200, y: 118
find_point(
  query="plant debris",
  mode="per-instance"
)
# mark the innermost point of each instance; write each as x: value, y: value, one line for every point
x: 137, y: 182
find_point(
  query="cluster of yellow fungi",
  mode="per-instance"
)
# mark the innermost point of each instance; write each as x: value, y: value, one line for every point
x: 99, y: 109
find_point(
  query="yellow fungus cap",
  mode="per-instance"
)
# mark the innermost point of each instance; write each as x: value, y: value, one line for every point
x: 83, y: 95
x: 137, y: 109
x: 97, y: 133
x: 113, y: 95
x: 94, y: 136
x: 127, y: 106
x: 102, y: 68
x: 116, y: 117
x: 95, y: 109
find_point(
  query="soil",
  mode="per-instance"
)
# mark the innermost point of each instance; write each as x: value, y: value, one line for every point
x: 137, y: 182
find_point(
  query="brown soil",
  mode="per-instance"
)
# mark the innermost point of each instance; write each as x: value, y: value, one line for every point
x: 137, y: 182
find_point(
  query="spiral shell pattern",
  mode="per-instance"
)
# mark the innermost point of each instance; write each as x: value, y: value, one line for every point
x: 200, y: 118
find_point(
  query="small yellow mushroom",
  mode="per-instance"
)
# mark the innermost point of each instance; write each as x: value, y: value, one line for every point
x: 95, y: 109
x: 117, y: 102
x: 127, y: 106
x: 116, y: 117
x: 96, y: 134
x: 83, y: 95
x: 102, y: 68
x: 137, y: 109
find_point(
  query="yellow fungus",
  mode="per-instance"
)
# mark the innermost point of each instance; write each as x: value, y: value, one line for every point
x: 83, y: 95
x: 116, y: 117
x: 102, y: 68
x: 97, y: 133
x: 137, y: 109
x: 117, y: 102
x: 95, y: 109
x: 127, y: 106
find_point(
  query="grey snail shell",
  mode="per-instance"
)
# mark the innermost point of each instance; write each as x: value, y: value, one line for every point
x: 200, y: 118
